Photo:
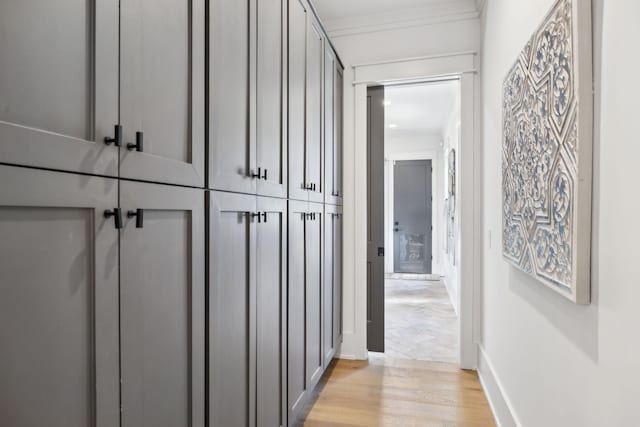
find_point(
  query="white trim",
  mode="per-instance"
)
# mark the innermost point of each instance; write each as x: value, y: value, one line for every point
x: 355, y: 211
x: 500, y: 405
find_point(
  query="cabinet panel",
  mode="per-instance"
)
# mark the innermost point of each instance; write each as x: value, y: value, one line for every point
x: 313, y: 293
x: 271, y: 262
x: 162, y: 305
x: 332, y: 283
x: 339, y: 135
x: 271, y: 147
x: 58, y: 308
x: 231, y: 156
x: 337, y: 277
x: 59, y: 84
x: 329, y: 125
x: 162, y: 90
x: 314, y: 147
x: 297, y: 100
x: 232, y: 309
x: 296, y: 351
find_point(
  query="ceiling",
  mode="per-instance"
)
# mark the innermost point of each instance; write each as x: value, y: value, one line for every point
x: 419, y: 109
x: 340, y: 9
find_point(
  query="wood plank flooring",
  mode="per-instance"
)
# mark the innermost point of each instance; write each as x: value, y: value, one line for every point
x: 394, y: 392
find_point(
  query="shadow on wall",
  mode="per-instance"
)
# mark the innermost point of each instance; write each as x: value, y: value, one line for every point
x: 578, y: 323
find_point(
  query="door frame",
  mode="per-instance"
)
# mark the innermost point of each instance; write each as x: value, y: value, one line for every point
x: 389, y: 204
x: 462, y: 66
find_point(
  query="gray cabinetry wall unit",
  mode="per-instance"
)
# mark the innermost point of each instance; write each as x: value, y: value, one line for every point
x: 170, y: 200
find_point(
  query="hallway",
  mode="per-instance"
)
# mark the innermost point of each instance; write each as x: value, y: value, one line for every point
x: 396, y: 392
x: 420, y: 322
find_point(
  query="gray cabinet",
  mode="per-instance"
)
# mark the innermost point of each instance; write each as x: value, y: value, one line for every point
x: 332, y: 127
x: 332, y: 283
x: 305, y: 362
x: 247, y: 144
x: 297, y: 100
x: 162, y: 302
x: 162, y: 91
x: 59, y: 84
x: 58, y: 300
x: 246, y: 310
x: 314, y: 148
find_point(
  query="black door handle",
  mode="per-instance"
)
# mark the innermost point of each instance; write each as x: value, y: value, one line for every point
x: 117, y: 136
x: 139, y: 145
x: 264, y: 216
x: 264, y: 176
x: 309, y: 187
x: 139, y: 214
x: 116, y: 213
x: 257, y: 214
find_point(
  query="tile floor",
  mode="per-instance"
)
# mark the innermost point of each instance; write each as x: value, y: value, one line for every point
x: 420, y: 322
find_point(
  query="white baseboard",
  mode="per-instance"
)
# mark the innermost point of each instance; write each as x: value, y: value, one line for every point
x: 500, y: 406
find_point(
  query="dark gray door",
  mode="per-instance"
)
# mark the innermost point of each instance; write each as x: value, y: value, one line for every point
x: 59, y: 84
x: 412, y: 250
x: 271, y: 265
x: 375, y: 219
x: 162, y: 90
x: 58, y: 300
x: 297, y: 99
x: 162, y: 302
x: 313, y: 291
x: 296, y: 331
x: 232, y: 161
x: 232, y: 302
x: 271, y: 143
x: 314, y: 145
x: 332, y: 283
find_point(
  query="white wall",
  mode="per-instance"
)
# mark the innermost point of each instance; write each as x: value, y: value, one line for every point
x: 557, y: 363
x: 443, y: 38
x: 413, y: 146
x: 451, y: 140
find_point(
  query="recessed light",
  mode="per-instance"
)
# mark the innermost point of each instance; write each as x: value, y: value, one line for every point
x: 393, y: 126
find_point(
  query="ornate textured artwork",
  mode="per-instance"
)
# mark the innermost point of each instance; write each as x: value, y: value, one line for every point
x: 546, y: 153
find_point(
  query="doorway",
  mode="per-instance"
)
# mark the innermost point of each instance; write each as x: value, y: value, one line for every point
x: 411, y: 288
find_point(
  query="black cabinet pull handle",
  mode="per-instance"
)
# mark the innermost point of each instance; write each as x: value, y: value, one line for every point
x: 309, y: 187
x: 264, y: 175
x: 139, y: 145
x: 257, y: 175
x: 139, y: 214
x: 257, y: 214
x: 116, y: 213
x: 264, y: 216
x: 117, y: 136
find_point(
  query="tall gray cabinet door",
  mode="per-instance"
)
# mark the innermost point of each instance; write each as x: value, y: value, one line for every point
x: 58, y: 300
x: 329, y: 125
x: 297, y: 100
x: 162, y: 302
x: 296, y: 330
x: 271, y: 297
x: 232, y: 284
x: 162, y: 90
x: 314, y: 147
x: 313, y: 292
x: 271, y: 142
x: 232, y: 162
x: 59, y: 84
x: 339, y: 135
x: 337, y: 277
x: 328, y: 286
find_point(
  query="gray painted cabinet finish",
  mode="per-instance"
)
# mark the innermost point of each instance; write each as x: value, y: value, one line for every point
x: 247, y: 312
x: 332, y: 283
x: 59, y: 84
x: 162, y: 90
x: 314, y: 152
x: 297, y: 100
x: 58, y: 300
x: 232, y: 309
x: 332, y: 128
x: 313, y: 291
x: 339, y: 136
x: 162, y: 306
x: 232, y: 158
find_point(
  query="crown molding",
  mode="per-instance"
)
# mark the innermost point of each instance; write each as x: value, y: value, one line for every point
x: 437, y: 13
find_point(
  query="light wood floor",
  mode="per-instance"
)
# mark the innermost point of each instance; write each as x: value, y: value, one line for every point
x: 394, y: 392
